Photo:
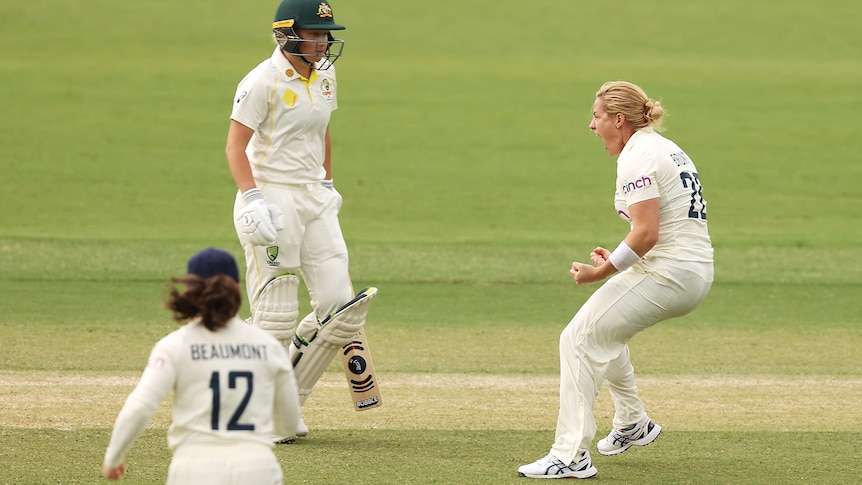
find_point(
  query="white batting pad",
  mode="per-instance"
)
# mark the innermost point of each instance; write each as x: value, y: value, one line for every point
x: 313, y: 350
x: 278, y: 308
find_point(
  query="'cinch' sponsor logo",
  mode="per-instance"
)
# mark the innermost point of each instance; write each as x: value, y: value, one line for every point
x: 637, y: 184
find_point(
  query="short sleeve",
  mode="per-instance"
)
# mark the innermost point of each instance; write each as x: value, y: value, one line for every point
x: 636, y: 178
x: 251, y: 102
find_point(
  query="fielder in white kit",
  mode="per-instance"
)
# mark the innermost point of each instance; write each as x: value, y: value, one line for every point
x: 664, y: 269
x: 286, y: 208
x: 233, y: 386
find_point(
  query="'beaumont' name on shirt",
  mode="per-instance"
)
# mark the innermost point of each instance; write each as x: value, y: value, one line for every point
x: 228, y: 351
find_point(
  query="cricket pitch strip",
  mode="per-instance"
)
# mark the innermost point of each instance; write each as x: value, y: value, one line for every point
x: 69, y: 401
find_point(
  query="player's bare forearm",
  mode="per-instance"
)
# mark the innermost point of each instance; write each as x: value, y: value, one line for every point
x: 238, y: 138
x: 642, y: 237
x: 241, y: 173
x: 600, y: 268
x: 585, y: 274
x: 599, y: 256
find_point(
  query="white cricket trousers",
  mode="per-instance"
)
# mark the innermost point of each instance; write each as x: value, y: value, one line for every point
x: 230, y: 463
x: 593, y: 346
x: 311, y: 243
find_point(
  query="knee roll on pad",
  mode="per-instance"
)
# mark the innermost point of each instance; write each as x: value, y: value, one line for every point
x: 277, y: 308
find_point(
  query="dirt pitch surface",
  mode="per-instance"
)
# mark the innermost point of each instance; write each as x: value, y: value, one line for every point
x: 57, y: 400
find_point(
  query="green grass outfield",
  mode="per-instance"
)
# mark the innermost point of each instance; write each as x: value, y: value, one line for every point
x: 471, y: 181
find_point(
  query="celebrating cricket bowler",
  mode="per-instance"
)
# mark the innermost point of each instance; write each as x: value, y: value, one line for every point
x: 662, y: 269
x: 286, y: 208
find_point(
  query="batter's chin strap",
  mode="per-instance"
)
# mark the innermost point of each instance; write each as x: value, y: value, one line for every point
x: 310, y: 64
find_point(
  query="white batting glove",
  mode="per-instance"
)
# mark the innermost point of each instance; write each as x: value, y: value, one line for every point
x: 330, y: 184
x: 258, y: 220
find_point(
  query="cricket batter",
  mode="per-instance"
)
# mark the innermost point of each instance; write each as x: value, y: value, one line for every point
x: 233, y: 386
x: 662, y: 269
x: 286, y: 208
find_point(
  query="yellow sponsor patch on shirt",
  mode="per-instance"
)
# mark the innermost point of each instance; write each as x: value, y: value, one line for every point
x: 290, y: 98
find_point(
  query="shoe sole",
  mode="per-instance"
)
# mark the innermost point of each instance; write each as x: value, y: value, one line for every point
x: 649, y: 438
x: 591, y: 472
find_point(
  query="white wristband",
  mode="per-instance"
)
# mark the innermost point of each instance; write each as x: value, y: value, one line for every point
x: 252, y: 194
x: 328, y: 183
x: 623, y: 257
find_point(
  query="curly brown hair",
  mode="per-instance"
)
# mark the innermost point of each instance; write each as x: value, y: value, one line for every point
x: 215, y: 300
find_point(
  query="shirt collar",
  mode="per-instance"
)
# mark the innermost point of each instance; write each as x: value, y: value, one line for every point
x: 645, y: 131
x: 285, y: 67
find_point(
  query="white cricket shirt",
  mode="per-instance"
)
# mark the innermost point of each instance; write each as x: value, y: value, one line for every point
x: 289, y: 115
x: 651, y: 166
x: 233, y: 384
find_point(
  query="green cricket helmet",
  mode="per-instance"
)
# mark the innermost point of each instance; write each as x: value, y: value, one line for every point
x: 308, y: 15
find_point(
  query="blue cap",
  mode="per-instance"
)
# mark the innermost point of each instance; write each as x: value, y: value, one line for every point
x: 211, y: 261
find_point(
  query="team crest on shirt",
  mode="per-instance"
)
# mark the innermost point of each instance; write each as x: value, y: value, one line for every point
x: 324, y: 10
x: 271, y: 255
x: 326, y: 89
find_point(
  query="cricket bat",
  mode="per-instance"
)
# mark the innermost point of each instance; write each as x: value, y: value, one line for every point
x: 359, y: 369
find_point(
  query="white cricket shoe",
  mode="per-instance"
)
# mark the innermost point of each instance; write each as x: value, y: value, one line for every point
x: 301, y: 430
x: 284, y: 440
x: 638, y: 434
x: 551, y: 467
